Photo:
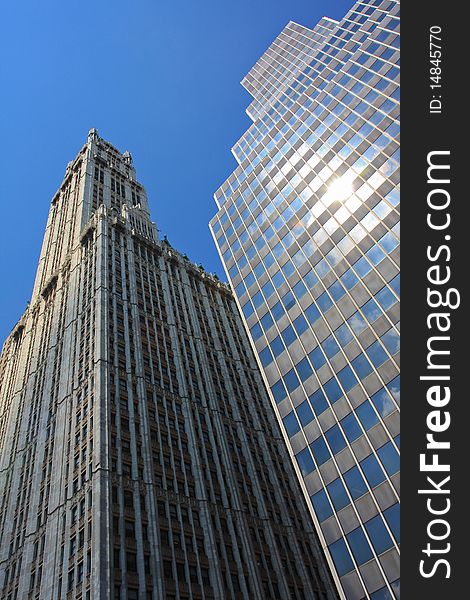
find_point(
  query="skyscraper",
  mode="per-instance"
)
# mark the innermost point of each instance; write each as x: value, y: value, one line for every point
x: 139, y: 456
x: 307, y: 228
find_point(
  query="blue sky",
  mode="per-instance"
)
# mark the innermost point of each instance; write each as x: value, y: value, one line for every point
x: 159, y: 78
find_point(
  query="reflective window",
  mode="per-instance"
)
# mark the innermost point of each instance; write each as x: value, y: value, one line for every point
x: 305, y: 462
x: 304, y: 369
x: 258, y: 299
x: 322, y: 505
x: 299, y: 290
x: 267, y: 289
x: 378, y: 534
x: 291, y: 380
x: 372, y: 471
x: 360, y: 546
x: 317, y: 358
x: 375, y: 255
x: 395, y: 285
x: 300, y: 324
x: 310, y: 279
x: 287, y: 269
x: 278, y: 279
x: 249, y: 280
x: 390, y: 458
x: 336, y: 290
x: 304, y: 412
x: 279, y: 391
x: 248, y: 309
x: 240, y: 289
x: 266, y: 357
x: 357, y: 323
x: 256, y: 331
x: 288, y: 335
x: 362, y: 267
x: 367, y: 415
x: 291, y: 424
x: 383, y: 403
x: 277, y: 346
x: 312, y: 313
x: 343, y: 334
x: 335, y: 439
x: 332, y: 390
x: 371, y: 310
x: 349, y: 279
x: 278, y: 311
x: 318, y: 401
x: 391, y: 341
x: 266, y: 321
x: 394, y: 388
x: 362, y: 366
x: 338, y: 494
x: 324, y: 301
x: 392, y: 516
x: 288, y: 300
x: 259, y: 270
x: 330, y: 346
x: 385, y: 298
x: 355, y: 481
x: 347, y: 378
x: 351, y: 427
x: 382, y: 594
x: 376, y: 354
x: 388, y: 242
x: 320, y: 451
x: 341, y: 557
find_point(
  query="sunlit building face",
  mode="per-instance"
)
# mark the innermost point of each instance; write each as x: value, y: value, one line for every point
x: 308, y: 231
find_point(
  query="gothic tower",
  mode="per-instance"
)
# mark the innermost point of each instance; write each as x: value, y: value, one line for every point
x: 139, y: 455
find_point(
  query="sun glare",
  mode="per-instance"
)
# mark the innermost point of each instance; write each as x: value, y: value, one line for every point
x: 340, y: 189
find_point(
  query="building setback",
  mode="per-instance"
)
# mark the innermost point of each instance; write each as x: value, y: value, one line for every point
x: 139, y: 454
x: 308, y: 230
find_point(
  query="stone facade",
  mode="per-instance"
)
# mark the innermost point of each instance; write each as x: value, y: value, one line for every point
x: 139, y: 455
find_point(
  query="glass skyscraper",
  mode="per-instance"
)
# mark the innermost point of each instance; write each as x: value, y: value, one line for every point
x: 308, y: 230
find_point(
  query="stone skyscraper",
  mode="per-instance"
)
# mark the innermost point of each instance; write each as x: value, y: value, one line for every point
x: 139, y: 455
x: 308, y: 230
